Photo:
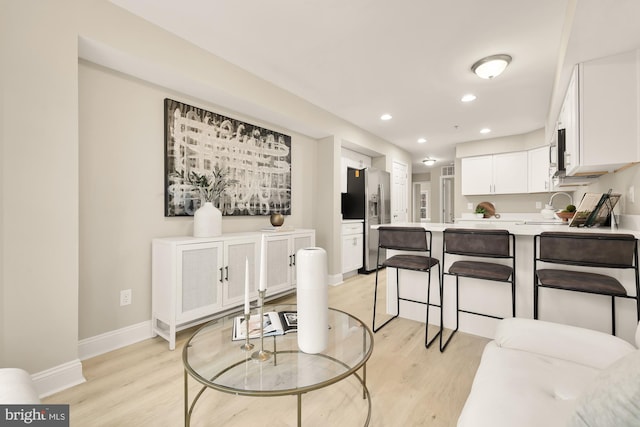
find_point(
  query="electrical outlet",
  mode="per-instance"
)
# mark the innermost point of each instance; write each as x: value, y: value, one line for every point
x: 125, y: 297
x: 631, y: 194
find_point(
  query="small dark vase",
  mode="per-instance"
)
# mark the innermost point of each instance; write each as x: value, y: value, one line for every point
x: 277, y: 219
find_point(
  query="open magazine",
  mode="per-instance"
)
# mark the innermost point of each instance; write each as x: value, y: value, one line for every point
x: 274, y: 323
x: 594, y: 209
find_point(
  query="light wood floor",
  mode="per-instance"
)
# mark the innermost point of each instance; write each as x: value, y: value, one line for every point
x: 142, y: 384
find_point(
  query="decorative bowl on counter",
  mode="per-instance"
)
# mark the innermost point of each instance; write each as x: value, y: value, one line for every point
x: 565, y: 216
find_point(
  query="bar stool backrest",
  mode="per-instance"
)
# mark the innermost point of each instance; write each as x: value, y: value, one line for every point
x: 403, y: 238
x: 588, y: 249
x: 474, y: 242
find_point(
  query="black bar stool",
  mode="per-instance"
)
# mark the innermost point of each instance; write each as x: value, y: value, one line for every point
x: 601, y: 250
x: 479, y: 243
x: 412, y: 239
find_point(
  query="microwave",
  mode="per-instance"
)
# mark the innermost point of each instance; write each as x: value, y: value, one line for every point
x: 556, y: 153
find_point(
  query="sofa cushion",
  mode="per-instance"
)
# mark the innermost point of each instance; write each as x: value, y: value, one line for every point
x: 613, y: 398
x: 571, y: 343
x: 514, y: 385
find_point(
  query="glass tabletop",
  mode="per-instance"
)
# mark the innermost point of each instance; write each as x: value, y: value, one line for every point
x: 215, y: 360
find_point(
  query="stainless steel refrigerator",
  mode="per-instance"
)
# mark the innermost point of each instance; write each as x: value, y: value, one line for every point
x: 367, y: 198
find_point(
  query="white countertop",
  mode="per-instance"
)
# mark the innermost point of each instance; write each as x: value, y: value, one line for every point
x: 518, y: 228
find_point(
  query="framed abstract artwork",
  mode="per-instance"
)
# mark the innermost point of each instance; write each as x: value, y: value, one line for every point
x: 242, y: 168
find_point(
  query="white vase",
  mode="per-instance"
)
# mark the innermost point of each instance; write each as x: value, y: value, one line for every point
x: 312, y: 298
x: 207, y: 221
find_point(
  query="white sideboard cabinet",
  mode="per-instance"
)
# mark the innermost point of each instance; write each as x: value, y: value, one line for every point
x: 194, y: 279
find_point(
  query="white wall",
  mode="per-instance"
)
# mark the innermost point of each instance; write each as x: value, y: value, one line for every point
x: 122, y: 192
x: 70, y: 227
x: 39, y: 182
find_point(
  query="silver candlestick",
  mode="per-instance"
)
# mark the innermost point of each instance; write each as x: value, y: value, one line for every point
x: 247, y: 345
x: 261, y: 355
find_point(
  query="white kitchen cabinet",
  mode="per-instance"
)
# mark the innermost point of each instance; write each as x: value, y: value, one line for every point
x: 495, y: 174
x: 477, y: 175
x: 195, y: 279
x: 352, y: 246
x: 538, y: 170
x: 600, y: 115
x: 281, y: 258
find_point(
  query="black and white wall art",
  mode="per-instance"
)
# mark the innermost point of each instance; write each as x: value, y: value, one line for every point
x: 248, y: 166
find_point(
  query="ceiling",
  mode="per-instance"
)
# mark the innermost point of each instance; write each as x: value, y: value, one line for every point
x: 359, y: 59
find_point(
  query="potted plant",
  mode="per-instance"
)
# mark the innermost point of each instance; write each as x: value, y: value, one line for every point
x: 210, y: 186
x: 480, y: 211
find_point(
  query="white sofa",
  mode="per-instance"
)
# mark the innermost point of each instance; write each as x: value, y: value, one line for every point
x: 16, y: 387
x: 542, y: 374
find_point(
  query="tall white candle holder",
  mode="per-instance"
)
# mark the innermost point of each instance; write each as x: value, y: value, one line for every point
x: 261, y: 355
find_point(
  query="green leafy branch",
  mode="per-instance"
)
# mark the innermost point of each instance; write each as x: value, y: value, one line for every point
x: 210, y: 185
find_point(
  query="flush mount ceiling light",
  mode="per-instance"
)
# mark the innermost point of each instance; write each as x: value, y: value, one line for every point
x: 468, y: 98
x: 491, y: 66
x: 385, y: 117
x: 429, y: 162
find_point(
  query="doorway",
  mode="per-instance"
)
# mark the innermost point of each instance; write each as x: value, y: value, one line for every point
x: 446, y: 199
x: 400, y: 192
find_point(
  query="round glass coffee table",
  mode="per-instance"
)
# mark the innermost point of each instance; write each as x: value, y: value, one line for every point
x: 214, y: 360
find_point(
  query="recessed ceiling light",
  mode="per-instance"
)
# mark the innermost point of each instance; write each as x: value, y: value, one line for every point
x: 468, y: 98
x: 385, y: 117
x: 429, y: 162
x: 421, y: 140
x: 485, y: 130
x: 491, y: 66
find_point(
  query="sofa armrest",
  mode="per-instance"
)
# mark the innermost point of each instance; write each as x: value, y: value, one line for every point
x: 580, y: 345
x: 16, y: 387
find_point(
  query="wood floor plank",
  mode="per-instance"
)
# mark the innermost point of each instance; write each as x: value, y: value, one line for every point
x: 142, y: 384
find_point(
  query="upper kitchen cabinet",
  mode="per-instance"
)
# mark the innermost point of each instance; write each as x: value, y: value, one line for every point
x: 538, y: 170
x: 495, y: 174
x: 600, y: 115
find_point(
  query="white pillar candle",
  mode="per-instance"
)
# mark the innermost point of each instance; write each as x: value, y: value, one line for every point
x: 263, y: 265
x: 246, y: 286
x: 312, y: 296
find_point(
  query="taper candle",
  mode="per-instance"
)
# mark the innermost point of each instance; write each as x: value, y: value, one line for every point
x: 263, y: 265
x: 246, y: 286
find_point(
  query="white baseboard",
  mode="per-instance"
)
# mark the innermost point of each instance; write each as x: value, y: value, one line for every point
x: 113, y: 340
x: 69, y: 374
x: 59, y: 378
x: 335, y: 279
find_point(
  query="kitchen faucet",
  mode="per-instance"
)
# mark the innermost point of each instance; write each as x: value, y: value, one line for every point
x: 550, y: 204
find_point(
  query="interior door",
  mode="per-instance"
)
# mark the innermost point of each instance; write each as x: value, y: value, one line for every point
x: 446, y: 199
x: 399, y: 193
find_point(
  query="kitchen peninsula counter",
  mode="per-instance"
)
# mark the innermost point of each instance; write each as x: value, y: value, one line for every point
x: 574, y: 308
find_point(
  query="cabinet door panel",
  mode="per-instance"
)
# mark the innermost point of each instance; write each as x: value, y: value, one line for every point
x: 299, y: 242
x: 236, y: 255
x: 510, y: 173
x: 352, y: 247
x: 199, y: 276
x: 477, y: 175
x: 279, y: 263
